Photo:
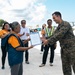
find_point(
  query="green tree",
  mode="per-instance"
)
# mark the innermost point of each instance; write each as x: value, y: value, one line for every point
x: 1, y: 22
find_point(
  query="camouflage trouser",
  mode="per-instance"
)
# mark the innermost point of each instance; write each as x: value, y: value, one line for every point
x: 68, y: 61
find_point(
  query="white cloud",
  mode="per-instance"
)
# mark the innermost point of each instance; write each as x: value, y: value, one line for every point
x: 20, y: 4
x: 15, y: 10
x: 39, y: 13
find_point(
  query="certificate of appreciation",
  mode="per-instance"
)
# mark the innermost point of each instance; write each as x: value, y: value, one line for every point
x: 35, y: 38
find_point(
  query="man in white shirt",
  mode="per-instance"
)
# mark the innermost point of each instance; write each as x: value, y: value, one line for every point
x: 24, y: 37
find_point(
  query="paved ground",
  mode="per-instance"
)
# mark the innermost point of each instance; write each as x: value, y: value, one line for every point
x: 33, y: 68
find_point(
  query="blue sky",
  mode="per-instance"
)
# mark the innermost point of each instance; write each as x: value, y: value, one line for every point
x: 66, y: 7
x: 36, y: 12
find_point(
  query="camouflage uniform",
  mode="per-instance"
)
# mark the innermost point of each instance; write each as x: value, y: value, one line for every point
x: 64, y: 34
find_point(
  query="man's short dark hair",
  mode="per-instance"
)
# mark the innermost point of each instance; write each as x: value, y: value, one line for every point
x: 23, y: 21
x: 57, y: 14
x: 49, y: 20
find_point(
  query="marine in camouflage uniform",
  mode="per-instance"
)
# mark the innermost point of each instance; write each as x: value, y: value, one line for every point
x: 64, y: 34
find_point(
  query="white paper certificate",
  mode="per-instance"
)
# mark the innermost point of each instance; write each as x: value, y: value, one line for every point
x: 35, y: 38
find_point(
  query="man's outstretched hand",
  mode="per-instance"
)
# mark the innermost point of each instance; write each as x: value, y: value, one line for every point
x: 44, y: 40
